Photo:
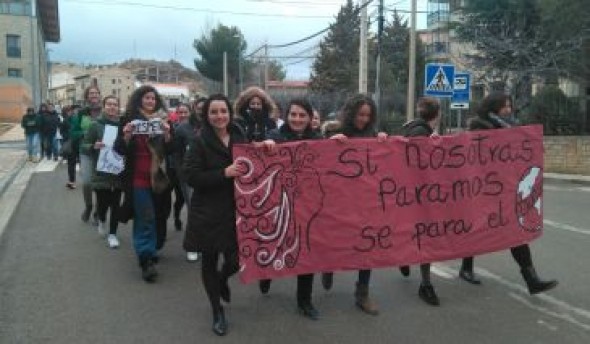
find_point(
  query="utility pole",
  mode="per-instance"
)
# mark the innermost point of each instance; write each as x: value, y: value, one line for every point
x: 225, y: 73
x: 412, y: 65
x: 378, y: 59
x: 363, y: 51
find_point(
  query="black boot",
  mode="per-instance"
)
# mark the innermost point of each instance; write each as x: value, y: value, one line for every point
x: 535, y: 284
x: 405, y: 270
x: 148, y: 270
x: 308, y: 310
x: 219, y: 322
x: 427, y: 294
x: 264, y: 286
x: 327, y: 280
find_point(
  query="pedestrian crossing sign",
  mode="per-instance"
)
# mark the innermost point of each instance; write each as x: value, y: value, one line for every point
x: 439, y: 80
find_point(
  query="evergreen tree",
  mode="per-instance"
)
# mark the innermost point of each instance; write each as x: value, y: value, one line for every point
x: 335, y: 69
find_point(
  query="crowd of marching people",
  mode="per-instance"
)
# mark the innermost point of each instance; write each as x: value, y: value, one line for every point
x: 188, y: 159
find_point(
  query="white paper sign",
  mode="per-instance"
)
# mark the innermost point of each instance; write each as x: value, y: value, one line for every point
x: 108, y: 160
x: 151, y: 127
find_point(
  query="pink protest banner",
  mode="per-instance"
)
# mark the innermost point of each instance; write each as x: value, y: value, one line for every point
x: 323, y: 205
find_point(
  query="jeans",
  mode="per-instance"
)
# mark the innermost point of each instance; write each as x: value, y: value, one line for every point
x: 33, y: 144
x: 51, y: 146
x: 144, y: 224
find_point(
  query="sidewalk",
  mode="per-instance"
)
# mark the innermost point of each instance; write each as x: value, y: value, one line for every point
x: 11, y: 159
x: 15, y: 134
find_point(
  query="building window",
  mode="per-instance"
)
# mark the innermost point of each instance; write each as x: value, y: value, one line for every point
x: 13, y: 45
x: 113, y: 81
x: 16, y: 7
x: 15, y: 73
x: 114, y: 92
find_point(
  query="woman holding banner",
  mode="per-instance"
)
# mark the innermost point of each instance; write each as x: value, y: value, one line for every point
x: 107, y: 186
x: 428, y: 118
x: 495, y: 112
x: 209, y: 170
x: 358, y: 119
x: 298, y: 126
x: 145, y: 139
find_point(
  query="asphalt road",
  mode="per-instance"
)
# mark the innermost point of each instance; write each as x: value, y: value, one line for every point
x: 59, y: 283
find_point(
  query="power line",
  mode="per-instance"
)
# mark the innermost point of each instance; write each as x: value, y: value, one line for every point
x: 191, y: 9
x: 357, y: 11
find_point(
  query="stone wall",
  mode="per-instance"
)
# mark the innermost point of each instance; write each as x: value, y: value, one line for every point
x: 567, y: 154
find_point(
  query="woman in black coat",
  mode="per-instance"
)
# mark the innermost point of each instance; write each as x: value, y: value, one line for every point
x: 209, y: 170
x: 428, y: 118
x: 358, y: 119
x: 495, y: 112
x: 297, y: 127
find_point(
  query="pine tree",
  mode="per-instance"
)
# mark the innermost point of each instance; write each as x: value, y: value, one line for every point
x: 335, y: 69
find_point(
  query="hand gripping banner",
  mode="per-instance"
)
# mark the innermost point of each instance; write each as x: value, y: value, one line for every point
x: 325, y: 205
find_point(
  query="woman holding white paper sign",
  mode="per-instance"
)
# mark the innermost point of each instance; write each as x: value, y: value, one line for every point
x: 146, y: 186
x: 107, y: 186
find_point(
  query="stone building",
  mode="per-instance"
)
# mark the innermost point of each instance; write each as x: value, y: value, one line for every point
x: 25, y: 28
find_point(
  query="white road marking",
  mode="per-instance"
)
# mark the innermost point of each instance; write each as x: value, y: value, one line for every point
x: 563, y: 226
x: 553, y: 306
x: 566, y: 188
x: 438, y: 270
x: 560, y: 315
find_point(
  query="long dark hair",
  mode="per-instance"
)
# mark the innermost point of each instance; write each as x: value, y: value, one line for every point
x: 207, y: 105
x: 134, y: 103
x: 493, y: 103
x: 350, y: 110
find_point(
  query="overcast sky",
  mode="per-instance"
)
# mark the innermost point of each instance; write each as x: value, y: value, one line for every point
x: 107, y: 31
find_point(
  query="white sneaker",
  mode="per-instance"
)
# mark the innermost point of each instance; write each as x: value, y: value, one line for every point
x: 100, y: 228
x: 113, y: 241
x: 192, y: 256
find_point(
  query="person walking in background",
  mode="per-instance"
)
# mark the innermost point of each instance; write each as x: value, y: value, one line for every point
x: 209, y: 170
x: 358, y: 119
x: 184, y: 134
x: 316, y: 122
x: 495, y: 112
x: 144, y: 182
x: 73, y: 156
x: 107, y: 186
x: 428, y: 110
x: 49, y: 123
x: 79, y: 127
x: 31, y: 123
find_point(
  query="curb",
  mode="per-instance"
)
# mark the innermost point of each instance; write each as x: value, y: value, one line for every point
x: 567, y: 178
x: 7, y: 181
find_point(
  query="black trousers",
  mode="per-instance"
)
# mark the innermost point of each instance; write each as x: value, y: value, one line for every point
x: 212, y: 277
x: 105, y: 199
x: 162, y: 205
x: 304, y: 289
x: 73, y: 160
x: 521, y: 254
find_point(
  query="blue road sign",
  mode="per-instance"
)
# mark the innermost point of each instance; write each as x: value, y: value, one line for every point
x: 438, y: 80
x: 462, y: 91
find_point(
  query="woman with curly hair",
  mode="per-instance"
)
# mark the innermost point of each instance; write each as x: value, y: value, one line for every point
x: 146, y: 186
